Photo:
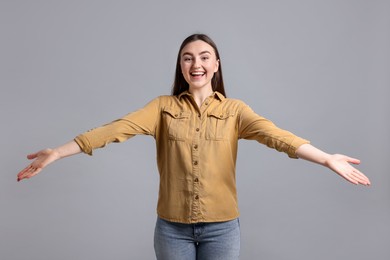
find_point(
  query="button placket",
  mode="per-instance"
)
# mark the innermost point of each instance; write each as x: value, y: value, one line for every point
x: 195, y: 212
x: 200, y: 119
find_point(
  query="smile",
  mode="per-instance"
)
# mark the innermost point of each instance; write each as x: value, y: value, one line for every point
x: 197, y: 73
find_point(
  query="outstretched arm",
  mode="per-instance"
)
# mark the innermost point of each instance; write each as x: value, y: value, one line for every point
x: 338, y: 163
x: 47, y: 156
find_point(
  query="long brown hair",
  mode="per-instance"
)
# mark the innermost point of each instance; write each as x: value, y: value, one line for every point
x: 180, y: 84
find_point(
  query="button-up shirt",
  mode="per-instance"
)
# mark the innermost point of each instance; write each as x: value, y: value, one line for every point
x: 196, y: 151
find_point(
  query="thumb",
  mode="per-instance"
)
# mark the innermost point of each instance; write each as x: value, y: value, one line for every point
x: 353, y: 160
x: 32, y: 156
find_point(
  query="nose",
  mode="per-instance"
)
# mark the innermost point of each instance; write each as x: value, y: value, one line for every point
x: 196, y: 63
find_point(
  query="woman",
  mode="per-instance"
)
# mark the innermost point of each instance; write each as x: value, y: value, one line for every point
x: 196, y: 131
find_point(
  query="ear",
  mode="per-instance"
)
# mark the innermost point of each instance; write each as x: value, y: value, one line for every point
x: 216, y: 66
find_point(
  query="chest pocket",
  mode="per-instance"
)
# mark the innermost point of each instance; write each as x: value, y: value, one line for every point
x: 177, y: 122
x: 219, y: 125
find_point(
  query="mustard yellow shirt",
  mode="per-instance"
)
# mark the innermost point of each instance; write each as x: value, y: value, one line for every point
x: 196, y: 151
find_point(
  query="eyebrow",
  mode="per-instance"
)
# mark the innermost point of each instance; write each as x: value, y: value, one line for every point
x: 203, y: 52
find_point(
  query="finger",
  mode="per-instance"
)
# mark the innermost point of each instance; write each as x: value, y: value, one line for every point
x: 360, y: 174
x: 23, y: 171
x: 353, y: 160
x: 349, y: 178
x: 356, y: 178
x: 361, y: 178
x: 32, y: 156
x: 32, y: 174
x: 27, y: 172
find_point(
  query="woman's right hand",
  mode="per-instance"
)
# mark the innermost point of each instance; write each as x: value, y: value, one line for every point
x: 42, y: 159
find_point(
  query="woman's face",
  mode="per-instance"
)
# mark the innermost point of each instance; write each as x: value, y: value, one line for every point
x: 198, y: 64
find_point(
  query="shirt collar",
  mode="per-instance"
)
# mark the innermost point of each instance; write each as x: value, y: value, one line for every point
x: 215, y: 94
x: 219, y: 95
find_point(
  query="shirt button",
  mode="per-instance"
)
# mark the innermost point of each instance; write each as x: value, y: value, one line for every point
x: 221, y: 116
x: 176, y: 115
x: 196, y: 197
x: 196, y: 146
x: 196, y: 180
x: 206, y: 103
x: 197, y: 129
x: 196, y: 163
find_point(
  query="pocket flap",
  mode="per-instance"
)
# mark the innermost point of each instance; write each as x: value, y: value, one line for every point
x: 176, y: 113
x: 221, y: 114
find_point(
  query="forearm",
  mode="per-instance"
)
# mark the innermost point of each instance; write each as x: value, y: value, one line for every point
x: 68, y: 149
x: 312, y: 154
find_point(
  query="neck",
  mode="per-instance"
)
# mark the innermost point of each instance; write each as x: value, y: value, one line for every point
x: 200, y: 94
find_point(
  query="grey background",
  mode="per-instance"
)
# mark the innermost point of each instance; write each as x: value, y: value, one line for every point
x: 317, y: 68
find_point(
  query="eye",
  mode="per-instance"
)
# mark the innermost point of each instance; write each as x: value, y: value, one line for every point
x: 204, y: 58
x: 187, y: 58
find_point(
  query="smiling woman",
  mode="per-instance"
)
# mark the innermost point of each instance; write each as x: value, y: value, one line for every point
x: 198, y: 65
x: 185, y: 58
x: 196, y: 130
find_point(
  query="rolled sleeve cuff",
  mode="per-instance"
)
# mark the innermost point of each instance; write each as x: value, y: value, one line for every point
x: 294, y: 146
x: 84, y: 144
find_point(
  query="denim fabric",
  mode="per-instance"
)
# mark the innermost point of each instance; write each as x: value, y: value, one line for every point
x: 200, y: 241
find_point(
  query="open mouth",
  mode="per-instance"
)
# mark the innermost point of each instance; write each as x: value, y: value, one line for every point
x: 197, y: 74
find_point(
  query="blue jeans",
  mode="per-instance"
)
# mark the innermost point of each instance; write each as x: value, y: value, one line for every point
x: 202, y: 241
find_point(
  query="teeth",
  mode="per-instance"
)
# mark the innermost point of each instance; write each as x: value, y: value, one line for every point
x: 197, y: 73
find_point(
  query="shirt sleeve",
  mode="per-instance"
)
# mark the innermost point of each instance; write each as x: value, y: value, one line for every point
x: 142, y: 121
x: 255, y: 127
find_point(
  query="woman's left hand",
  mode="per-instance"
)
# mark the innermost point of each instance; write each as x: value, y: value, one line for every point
x: 341, y: 164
